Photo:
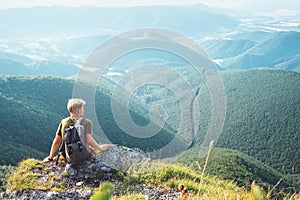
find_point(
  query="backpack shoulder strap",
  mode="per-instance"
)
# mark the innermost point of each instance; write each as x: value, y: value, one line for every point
x: 61, y: 148
x: 78, y: 122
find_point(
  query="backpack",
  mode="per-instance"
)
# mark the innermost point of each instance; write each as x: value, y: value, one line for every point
x: 74, y: 146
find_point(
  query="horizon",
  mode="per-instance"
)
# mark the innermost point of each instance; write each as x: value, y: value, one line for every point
x: 247, y: 5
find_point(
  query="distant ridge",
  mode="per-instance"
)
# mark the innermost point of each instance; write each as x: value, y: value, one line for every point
x: 280, y: 50
x: 51, y: 21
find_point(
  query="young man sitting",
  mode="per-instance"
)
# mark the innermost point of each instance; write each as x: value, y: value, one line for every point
x: 76, y: 110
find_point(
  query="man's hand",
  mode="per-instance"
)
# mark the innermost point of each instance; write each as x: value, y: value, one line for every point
x: 47, y: 159
x: 105, y: 147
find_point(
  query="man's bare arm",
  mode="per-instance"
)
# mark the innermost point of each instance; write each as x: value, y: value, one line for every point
x: 90, y: 140
x: 54, y: 148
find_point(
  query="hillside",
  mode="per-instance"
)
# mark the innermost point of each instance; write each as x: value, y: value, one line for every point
x: 263, y: 117
x: 261, y: 120
x: 242, y: 169
x: 262, y: 114
x: 32, y: 107
x: 277, y: 50
x: 226, y: 48
x: 14, y: 64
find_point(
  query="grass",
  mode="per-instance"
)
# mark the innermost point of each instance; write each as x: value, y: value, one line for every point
x: 166, y: 176
x: 104, y: 192
x: 131, y: 197
x: 170, y: 176
x: 197, y: 184
x: 243, y: 169
x: 205, y: 164
x: 25, y: 177
x: 28, y: 176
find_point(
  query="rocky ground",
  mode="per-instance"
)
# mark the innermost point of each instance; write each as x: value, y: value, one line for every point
x: 79, y: 181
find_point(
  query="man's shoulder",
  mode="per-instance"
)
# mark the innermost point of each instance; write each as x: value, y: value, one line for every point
x: 65, y: 120
x: 86, y: 121
x: 87, y: 125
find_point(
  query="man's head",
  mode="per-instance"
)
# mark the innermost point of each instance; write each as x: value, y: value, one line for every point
x: 76, y: 106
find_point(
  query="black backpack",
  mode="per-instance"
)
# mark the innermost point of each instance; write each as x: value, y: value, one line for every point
x: 73, y: 147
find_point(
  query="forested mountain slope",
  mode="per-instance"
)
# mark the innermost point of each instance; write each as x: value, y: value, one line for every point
x: 32, y: 107
x: 262, y: 118
x: 278, y: 51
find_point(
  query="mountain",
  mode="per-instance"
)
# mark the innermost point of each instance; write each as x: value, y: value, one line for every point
x: 226, y: 48
x: 62, y: 57
x: 279, y: 50
x: 28, y: 116
x: 59, y: 20
x: 255, y: 36
x: 32, y: 108
x: 261, y: 119
x: 262, y: 116
x: 54, y: 41
x: 73, y: 46
x: 47, y: 68
x: 262, y: 113
x: 242, y: 169
x: 9, y: 67
x: 30, y: 58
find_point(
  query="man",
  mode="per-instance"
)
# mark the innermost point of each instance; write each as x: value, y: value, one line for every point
x: 76, y: 110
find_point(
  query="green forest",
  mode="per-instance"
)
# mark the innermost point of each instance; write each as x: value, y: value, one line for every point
x: 262, y: 121
x: 262, y: 114
x: 33, y: 107
x: 263, y: 117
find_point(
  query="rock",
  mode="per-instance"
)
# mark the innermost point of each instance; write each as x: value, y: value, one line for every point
x: 70, y: 170
x: 79, y: 183
x: 51, y: 194
x: 105, y: 169
x: 76, y: 178
x: 122, y: 158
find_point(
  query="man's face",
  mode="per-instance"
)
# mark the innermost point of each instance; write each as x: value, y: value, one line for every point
x: 81, y: 111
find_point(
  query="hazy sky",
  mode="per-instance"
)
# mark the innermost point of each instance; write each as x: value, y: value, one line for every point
x: 237, y: 4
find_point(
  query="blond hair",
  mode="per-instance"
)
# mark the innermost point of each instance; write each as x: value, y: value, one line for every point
x: 75, y: 104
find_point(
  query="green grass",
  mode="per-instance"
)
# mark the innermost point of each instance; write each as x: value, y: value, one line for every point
x: 242, y: 169
x: 104, y: 192
x: 161, y: 175
x: 199, y: 184
x: 170, y: 176
x: 28, y: 176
